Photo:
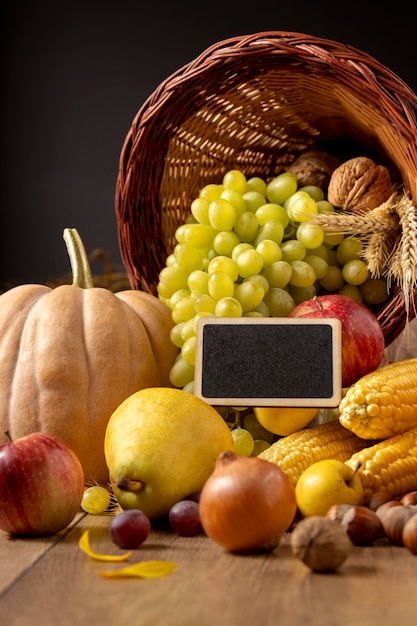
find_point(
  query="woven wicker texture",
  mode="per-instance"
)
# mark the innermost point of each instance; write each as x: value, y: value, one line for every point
x: 255, y: 103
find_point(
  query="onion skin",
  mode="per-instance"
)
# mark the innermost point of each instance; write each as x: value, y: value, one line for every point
x: 247, y: 503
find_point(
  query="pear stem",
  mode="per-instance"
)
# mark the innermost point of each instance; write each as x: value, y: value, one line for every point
x: 356, y: 470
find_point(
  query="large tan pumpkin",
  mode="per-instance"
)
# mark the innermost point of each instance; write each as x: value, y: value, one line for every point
x: 71, y: 355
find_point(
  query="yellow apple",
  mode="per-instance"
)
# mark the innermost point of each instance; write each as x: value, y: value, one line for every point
x: 325, y: 483
x: 284, y: 421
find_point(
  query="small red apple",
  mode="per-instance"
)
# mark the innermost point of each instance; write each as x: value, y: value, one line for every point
x: 362, y: 337
x: 41, y: 485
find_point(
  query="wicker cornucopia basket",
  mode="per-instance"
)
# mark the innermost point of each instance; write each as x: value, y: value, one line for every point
x: 255, y: 103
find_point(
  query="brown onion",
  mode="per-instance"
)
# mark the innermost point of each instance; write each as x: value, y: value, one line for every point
x: 247, y: 503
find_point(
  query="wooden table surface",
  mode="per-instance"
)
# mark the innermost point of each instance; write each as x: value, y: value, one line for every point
x: 50, y: 581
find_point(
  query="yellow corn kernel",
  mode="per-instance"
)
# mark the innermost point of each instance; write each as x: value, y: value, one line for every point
x: 383, y: 403
x: 295, y: 452
x: 389, y: 465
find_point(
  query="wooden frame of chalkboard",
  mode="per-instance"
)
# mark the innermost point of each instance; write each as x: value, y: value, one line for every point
x: 269, y: 362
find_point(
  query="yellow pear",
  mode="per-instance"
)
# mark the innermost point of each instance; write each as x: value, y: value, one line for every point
x: 160, y: 445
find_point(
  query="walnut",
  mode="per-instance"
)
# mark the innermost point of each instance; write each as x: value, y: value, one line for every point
x: 320, y: 543
x: 359, y: 185
x: 314, y: 168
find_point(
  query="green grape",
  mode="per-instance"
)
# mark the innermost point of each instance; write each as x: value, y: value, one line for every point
x: 188, y: 350
x: 262, y: 309
x: 314, y: 191
x: 250, y: 294
x: 311, y: 235
x: 332, y: 257
x: 279, y: 302
x: 199, y: 235
x: 301, y: 209
x: 333, y: 239
x: 321, y: 251
x: 183, y: 310
x: 278, y: 273
x: 189, y: 387
x: 259, y: 445
x: 351, y: 291
x: 222, y: 214
x: 281, y: 187
x: 187, y: 329
x: 179, y: 233
x: 293, y: 250
x: 198, y: 282
x: 95, y: 500
x: 228, y: 307
x: 258, y: 278
x: 175, y: 334
x: 374, y: 291
x: 177, y: 296
x: 188, y: 257
x: 273, y: 229
x: 181, y: 373
x: 333, y: 280
x: 301, y: 294
x: 253, y: 200
x: 349, y: 249
x: 234, y: 179
x: 355, y: 272
x: 270, y: 211
x: 223, y: 264
x: 171, y: 279
x: 199, y: 209
x: 204, y: 303
x: 318, y: 264
x: 270, y: 251
x: 211, y: 192
x: 293, y: 198
x: 243, y: 440
x: 236, y: 200
x: 240, y: 248
x: 224, y: 242
x: 220, y: 285
x: 255, y: 183
x: 324, y: 206
x: 251, y: 423
x: 302, y: 274
x: 249, y: 262
x: 246, y: 226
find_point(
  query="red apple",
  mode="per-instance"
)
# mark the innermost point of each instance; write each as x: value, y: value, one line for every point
x: 362, y: 337
x: 41, y: 485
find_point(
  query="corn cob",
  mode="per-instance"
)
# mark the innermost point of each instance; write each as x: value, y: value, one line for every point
x: 389, y: 465
x: 295, y: 452
x: 383, y: 403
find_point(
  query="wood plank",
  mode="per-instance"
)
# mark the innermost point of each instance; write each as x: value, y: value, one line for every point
x: 376, y: 586
x: 19, y: 554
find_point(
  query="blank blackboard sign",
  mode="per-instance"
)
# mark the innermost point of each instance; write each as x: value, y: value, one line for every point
x: 269, y: 362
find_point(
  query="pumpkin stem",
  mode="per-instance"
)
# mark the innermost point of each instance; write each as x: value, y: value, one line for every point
x: 81, y: 272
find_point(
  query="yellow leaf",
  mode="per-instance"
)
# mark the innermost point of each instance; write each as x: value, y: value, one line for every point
x: 146, y: 569
x: 84, y: 544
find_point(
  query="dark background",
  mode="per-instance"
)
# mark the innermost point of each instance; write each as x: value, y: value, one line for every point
x: 74, y: 74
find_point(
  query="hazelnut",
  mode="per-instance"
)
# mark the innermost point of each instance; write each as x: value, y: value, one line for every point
x: 359, y: 185
x: 320, y: 543
x: 385, y: 507
x: 337, y: 511
x: 394, y: 520
x: 362, y: 525
x: 314, y: 167
x: 378, y: 498
x: 410, y: 534
x: 409, y: 498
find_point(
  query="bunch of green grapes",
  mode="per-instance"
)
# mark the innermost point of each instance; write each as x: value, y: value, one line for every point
x: 250, y: 249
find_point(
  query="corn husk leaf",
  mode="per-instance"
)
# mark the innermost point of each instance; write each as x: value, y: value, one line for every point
x: 84, y: 545
x: 145, y: 569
